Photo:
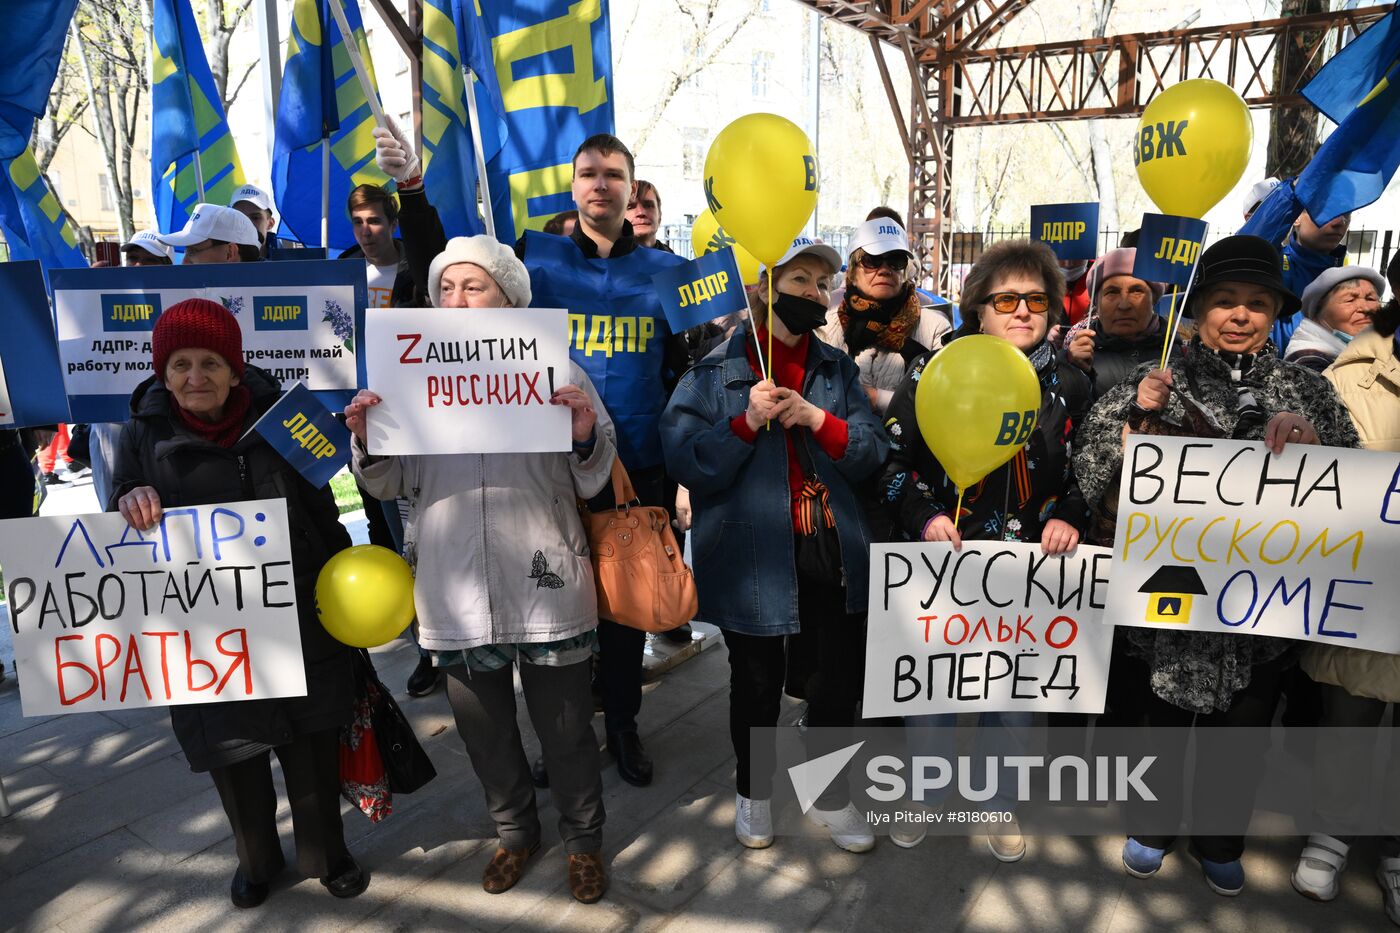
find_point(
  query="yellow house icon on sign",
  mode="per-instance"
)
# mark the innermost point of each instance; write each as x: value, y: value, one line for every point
x: 1169, y: 594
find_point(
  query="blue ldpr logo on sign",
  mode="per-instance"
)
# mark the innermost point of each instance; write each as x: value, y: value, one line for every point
x: 130, y: 312
x: 280, y: 312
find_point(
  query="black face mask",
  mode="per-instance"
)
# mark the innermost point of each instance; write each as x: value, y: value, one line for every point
x: 799, y: 315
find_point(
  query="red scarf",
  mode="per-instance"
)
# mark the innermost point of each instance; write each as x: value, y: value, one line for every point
x: 227, y: 430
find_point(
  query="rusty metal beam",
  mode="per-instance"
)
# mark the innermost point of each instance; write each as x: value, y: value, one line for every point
x: 892, y: 96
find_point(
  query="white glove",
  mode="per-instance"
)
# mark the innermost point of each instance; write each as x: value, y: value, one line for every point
x: 393, y: 152
x: 683, y: 515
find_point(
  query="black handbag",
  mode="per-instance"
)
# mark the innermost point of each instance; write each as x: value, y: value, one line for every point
x: 405, y: 762
x: 815, y: 543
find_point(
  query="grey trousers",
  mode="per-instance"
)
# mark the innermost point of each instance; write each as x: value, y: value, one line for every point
x: 561, y: 710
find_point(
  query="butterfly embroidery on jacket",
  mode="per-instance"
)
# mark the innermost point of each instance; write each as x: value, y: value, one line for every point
x: 542, y: 575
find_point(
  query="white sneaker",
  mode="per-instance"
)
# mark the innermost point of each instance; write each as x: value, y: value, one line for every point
x: 753, y: 822
x: 849, y: 829
x: 1007, y: 843
x: 1322, y: 860
x: 1388, y: 874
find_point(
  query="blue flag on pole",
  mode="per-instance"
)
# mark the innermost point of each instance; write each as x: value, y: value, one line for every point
x: 1071, y: 230
x: 1359, y: 88
x: 701, y: 290
x: 306, y: 434
x: 31, y: 219
x: 187, y: 116
x: 553, y: 63
x: 322, y: 95
x: 31, y: 380
x: 32, y: 44
x: 1167, y: 248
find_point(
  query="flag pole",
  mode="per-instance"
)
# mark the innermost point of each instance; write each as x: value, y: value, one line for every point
x: 475, y: 120
x: 352, y: 48
x: 326, y: 194
x: 1174, y: 326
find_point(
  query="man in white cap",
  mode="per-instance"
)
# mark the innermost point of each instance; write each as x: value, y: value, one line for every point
x: 216, y: 234
x: 145, y: 249
x: 256, y: 204
x: 1257, y: 193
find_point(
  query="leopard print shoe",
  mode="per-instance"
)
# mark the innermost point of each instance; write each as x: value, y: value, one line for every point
x: 588, y: 881
x: 505, y: 868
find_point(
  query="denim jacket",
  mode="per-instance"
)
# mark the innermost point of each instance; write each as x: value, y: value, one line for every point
x: 743, y: 544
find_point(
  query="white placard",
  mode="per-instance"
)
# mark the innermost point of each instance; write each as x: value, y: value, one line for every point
x: 997, y: 626
x: 201, y: 608
x: 1224, y: 536
x: 467, y: 380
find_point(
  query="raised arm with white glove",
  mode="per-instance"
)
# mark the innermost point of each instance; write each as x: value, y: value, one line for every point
x: 394, y: 153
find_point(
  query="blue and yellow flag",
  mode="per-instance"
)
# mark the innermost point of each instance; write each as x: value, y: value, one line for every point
x: 321, y: 94
x: 454, y: 37
x: 33, y: 223
x: 1359, y: 88
x: 187, y: 116
x: 32, y: 44
x: 553, y: 62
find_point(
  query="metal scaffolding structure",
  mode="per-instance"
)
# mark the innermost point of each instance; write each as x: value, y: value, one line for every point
x: 958, y: 79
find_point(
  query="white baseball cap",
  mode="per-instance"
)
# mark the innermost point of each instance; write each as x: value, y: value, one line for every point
x: 879, y: 236
x: 1257, y: 193
x: 254, y: 195
x: 805, y: 244
x: 212, y: 222
x: 150, y: 241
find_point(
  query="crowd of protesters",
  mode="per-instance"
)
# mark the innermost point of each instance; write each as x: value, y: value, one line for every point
x: 783, y: 476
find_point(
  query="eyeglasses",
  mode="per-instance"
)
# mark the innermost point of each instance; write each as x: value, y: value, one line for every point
x: 1008, y: 302
x: 896, y: 261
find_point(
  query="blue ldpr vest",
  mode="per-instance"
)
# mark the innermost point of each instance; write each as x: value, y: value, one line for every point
x: 617, y: 331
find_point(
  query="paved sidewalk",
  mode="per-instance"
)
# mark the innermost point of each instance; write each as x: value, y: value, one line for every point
x: 112, y: 833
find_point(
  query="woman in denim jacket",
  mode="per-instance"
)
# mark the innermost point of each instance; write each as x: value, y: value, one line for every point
x: 781, y: 543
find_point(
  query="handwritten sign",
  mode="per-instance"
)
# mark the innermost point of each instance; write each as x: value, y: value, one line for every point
x: 306, y: 434
x: 997, y: 626
x: 31, y: 389
x: 1071, y: 230
x: 199, y: 609
x: 1168, y: 247
x: 301, y: 321
x: 469, y: 380
x: 1224, y: 536
x: 701, y: 290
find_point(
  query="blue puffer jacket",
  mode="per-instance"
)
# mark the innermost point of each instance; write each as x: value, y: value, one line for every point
x: 743, y: 545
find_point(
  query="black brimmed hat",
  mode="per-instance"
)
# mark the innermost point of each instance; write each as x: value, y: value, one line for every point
x: 1245, y: 259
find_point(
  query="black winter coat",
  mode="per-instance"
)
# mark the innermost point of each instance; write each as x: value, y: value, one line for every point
x: 1014, y: 501
x: 156, y: 449
x: 1116, y: 359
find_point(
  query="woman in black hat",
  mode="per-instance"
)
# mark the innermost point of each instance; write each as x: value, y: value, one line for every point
x: 1230, y: 383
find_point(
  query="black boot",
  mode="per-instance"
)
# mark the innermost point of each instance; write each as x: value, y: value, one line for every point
x: 350, y: 881
x: 424, y: 679
x: 244, y: 893
x: 539, y: 776
x: 633, y: 764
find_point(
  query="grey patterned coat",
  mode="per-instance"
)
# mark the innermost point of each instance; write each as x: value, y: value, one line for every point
x: 1202, y: 671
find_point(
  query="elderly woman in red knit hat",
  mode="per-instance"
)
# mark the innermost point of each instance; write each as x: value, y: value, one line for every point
x: 185, y: 445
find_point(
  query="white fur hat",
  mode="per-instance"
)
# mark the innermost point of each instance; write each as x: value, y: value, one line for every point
x: 490, y: 254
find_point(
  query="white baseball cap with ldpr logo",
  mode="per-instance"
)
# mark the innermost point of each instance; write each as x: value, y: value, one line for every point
x: 212, y: 222
x: 880, y: 236
x: 253, y: 195
x: 149, y: 241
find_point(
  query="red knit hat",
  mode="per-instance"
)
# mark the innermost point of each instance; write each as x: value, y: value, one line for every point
x: 200, y: 323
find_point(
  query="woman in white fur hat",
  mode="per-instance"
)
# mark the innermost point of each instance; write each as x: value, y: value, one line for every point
x: 502, y: 580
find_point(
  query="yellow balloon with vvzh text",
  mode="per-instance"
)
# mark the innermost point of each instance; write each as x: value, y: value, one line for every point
x: 977, y: 403
x: 707, y: 236
x: 761, y: 183
x: 1192, y: 146
x: 364, y: 596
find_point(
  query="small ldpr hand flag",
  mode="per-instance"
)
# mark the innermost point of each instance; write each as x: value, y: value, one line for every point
x: 306, y: 434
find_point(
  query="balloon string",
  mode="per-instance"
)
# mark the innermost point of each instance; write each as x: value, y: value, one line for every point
x: 957, y: 514
x: 770, y: 331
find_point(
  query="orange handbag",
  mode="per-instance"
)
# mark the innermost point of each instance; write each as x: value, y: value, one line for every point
x: 642, y: 578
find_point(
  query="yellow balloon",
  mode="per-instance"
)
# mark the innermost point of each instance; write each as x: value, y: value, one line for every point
x: 977, y: 403
x: 707, y: 236
x: 761, y: 183
x: 364, y: 596
x: 1192, y: 146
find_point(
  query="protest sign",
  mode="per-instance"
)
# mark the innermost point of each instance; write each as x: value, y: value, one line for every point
x: 1071, y: 230
x: 199, y: 609
x: 701, y: 290
x: 1224, y: 536
x: 31, y: 384
x: 1168, y: 248
x: 306, y: 434
x: 300, y: 321
x: 467, y: 380
x: 997, y: 626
